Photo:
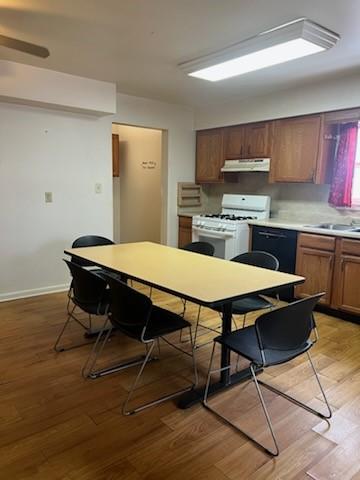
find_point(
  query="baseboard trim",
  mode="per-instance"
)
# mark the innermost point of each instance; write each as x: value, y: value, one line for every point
x: 6, y: 297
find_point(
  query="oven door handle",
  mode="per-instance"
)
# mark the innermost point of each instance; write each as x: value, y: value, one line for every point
x: 214, y: 234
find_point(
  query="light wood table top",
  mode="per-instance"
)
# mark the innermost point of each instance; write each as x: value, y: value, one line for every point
x: 206, y: 280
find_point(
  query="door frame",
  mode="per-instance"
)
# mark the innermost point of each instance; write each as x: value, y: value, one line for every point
x: 163, y: 176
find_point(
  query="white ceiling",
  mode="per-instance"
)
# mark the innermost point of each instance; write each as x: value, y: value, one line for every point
x: 138, y: 43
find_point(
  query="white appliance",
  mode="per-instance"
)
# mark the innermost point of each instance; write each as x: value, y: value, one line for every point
x: 228, y: 231
x: 247, y: 165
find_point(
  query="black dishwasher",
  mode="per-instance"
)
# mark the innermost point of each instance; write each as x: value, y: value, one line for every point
x: 282, y: 244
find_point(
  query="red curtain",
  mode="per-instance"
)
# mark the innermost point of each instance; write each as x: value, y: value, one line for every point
x: 341, y: 187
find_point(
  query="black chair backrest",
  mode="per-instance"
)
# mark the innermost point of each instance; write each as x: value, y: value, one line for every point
x: 258, y: 259
x: 89, y: 241
x: 289, y: 327
x: 88, y: 288
x: 129, y: 308
x: 204, y: 248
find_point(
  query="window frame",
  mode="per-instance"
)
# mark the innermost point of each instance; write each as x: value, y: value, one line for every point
x: 355, y: 199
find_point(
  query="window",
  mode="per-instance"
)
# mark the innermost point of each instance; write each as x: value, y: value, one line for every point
x: 355, y: 195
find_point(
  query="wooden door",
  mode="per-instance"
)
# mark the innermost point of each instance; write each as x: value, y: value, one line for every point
x: 185, y: 231
x: 235, y: 142
x: 258, y: 140
x: 116, y: 155
x: 317, y: 267
x: 209, y: 156
x: 296, y: 148
x: 347, y: 284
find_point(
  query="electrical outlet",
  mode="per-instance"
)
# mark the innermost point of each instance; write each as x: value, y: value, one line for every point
x: 48, y: 197
x: 98, y: 188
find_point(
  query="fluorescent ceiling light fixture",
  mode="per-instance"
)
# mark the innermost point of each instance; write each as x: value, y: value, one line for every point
x: 293, y: 40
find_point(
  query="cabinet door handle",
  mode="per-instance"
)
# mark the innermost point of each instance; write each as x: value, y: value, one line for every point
x: 342, y: 264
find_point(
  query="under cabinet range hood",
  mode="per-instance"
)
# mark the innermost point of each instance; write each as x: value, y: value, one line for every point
x: 247, y: 165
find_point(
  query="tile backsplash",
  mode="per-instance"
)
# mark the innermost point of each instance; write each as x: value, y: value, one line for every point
x: 296, y: 202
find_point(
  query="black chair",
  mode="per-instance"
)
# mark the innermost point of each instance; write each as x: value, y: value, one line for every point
x: 277, y: 337
x: 253, y: 302
x: 89, y: 241
x: 248, y: 304
x: 204, y: 248
x: 133, y: 314
x: 89, y: 293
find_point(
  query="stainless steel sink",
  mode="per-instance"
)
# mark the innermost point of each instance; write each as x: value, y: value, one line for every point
x: 336, y: 226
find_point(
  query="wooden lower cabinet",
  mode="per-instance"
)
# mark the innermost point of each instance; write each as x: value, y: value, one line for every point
x: 185, y: 230
x: 346, y: 289
x: 330, y: 265
x: 348, y: 285
x: 317, y: 267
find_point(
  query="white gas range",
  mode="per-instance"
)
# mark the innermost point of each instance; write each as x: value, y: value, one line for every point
x: 228, y: 231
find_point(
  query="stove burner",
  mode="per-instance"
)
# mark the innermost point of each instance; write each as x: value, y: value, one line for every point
x: 227, y: 216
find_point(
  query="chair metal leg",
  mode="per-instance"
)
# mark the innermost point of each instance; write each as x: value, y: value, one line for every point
x: 183, y: 315
x: 197, y: 325
x: 297, y: 402
x: 150, y: 346
x: 274, y: 453
x: 266, y: 413
x: 95, y: 351
x: 244, y: 320
x: 70, y: 317
x: 192, y: 343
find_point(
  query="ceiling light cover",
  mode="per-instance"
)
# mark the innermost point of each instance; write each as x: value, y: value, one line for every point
x: 293, y: 40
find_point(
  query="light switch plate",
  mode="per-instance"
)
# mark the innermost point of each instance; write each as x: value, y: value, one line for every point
x: 98, y: 188
x: 48, y: 197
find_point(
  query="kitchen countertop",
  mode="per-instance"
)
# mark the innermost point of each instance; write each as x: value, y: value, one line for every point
x: 300, y: 227
x: 288, y: 225
x: 189, y: 214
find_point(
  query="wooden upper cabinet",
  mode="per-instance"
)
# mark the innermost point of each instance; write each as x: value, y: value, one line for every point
x: 209, y: 156
x: 234, y: 138
x: 249, y: 141
x: 258, y: 140
x: 296, y: 149
x: 116, y: 155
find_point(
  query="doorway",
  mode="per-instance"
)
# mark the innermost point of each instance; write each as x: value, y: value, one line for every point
x: 138, y: 190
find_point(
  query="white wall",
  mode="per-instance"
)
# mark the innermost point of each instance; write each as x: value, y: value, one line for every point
x: 30, y: 85
x: 65, y: 153
x: 322, y: 96
x: 139, y: 197
x: 179, y: 155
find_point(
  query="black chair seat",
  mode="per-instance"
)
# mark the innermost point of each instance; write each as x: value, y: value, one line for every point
x: 247, y: 305
x: 245, y: 343
x: 96, y: 308
x: 161, y: 322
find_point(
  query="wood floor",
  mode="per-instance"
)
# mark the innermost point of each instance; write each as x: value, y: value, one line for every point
x: 55, y: 425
